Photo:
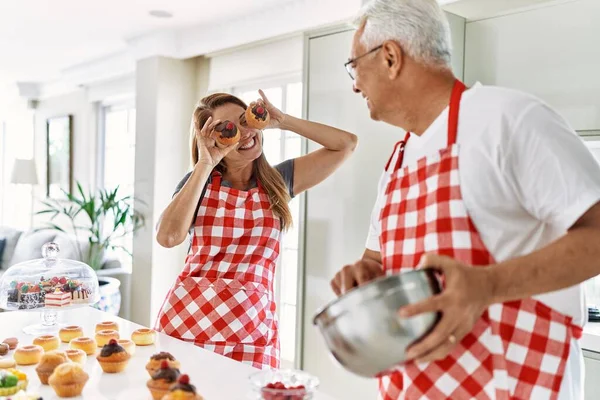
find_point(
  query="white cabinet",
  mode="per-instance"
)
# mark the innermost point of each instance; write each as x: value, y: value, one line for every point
x: 592, y: 374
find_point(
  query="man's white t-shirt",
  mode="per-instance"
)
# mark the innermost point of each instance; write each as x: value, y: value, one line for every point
x: 526, y: 178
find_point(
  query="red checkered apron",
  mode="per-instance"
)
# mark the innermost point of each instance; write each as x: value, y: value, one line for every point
x: 516, y: 350
x: 223, y: 299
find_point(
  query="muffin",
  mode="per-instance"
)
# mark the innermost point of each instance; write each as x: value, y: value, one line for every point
x: 156, y: 360
x: 68, y: 380
x: 182, y: 390
x: 162, y: 380
x: 113, y: 358
x: 49, y: 362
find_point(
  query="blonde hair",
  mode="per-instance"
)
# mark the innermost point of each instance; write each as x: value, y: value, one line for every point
x: 269, y: 178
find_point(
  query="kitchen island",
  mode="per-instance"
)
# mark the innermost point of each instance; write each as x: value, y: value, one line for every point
x: 216, y: 377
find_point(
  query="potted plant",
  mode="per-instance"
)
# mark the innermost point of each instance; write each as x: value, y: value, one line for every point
x: 102, y: 218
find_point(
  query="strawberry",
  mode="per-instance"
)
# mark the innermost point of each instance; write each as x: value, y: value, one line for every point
x: 229, y: 126
x: 260, y: 110
x: 62, y: 280
x: 184, y: 379
x: 112, y: 342
x: 164, y: 364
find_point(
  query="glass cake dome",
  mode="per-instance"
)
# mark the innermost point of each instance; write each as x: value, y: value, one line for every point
x: 48, y: 285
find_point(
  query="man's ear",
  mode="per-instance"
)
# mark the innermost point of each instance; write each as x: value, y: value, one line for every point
x: 394, y: 57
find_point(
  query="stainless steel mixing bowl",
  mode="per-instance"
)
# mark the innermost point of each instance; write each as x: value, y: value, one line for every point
x: 362, y: 328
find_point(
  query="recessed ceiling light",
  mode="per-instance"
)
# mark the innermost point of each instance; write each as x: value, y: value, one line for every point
x: 160, y: 14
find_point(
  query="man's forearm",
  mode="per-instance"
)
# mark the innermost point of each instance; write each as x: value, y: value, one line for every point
x: 568, y: 261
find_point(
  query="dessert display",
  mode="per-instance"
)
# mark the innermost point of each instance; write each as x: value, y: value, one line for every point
x: 12, y: 381
x: 285, y: 384
x: 49, y: 282
x: 107, y: 325
x: 143, y: 336
x: 7, y: 363
x: 68, y: 380
x: 76, y: 355
x: 28, y: 355
x: 182, y: 390
x: 86, y: 344
x: 4, y: 349
x: 277, y: 390
x: 162, y: 380
x: 11, y: 342
x: 49, y: 362
x: 157, y: 359
x: 69, y: 333
x: 227, y: 133
x: 257, y: 116
x: 58, y: 298
x: 47, y: 342
x: 103, y: 337
x: 113, y: 358
x: 128, y: 345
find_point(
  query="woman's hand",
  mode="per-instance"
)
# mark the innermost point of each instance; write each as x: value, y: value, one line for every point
x: 210, y: 152
x: 277, y: 117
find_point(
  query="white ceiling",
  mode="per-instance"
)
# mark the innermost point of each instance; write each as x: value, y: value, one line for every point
x: 39, y: 38
x: 45, y: 41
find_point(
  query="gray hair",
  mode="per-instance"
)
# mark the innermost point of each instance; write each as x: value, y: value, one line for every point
x: 419, y: 26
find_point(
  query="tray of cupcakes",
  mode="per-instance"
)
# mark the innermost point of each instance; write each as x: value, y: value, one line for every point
x: 48, y: 283
x: 64, y: 369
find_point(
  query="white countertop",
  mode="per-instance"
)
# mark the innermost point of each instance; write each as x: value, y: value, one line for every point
x: 216, y: 377
x: 591, y: 337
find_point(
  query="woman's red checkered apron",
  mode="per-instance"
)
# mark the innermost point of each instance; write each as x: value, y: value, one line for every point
x: 517, y: 350
x: 223, y: 299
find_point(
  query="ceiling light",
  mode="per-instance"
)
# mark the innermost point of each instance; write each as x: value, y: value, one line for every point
x: 160, y: 14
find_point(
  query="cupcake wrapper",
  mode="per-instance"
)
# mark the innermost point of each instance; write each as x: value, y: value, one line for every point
x: 158, y: 394
x: 113, y: 367
x: 68, y: 390
x: 44, y: 376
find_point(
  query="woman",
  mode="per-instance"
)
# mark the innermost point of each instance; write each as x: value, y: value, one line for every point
x: 237, y: 206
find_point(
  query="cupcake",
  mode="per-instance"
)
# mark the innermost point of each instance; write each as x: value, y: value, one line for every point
x: 49, y: 362
x: 156, y: 360
x: 68, y: 380
x: 162, y: 380
x: 113, y: 358
x: 182, y: 390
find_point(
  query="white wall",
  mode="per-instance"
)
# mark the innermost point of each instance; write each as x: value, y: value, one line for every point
x: 84, y: 137
x: 271, y: 60
x: 551, y: 52
x: 165, y: 96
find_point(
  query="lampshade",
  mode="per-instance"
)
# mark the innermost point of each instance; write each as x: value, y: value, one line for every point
x: 24, y: 171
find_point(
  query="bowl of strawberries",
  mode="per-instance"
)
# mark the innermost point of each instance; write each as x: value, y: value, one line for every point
x: 284, y: 384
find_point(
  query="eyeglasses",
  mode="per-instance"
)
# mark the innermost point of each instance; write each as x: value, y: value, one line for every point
x: 349, y: 65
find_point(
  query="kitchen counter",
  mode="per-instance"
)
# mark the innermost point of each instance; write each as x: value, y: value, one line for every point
x: 216, y: 377
x: 590, y: 340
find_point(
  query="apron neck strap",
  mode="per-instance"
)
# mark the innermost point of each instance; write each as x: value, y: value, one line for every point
x: 455, y: 97
x: 216, y: 179
x: 457, y: 92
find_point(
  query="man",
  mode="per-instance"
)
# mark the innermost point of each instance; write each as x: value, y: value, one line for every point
x: 493, y: 189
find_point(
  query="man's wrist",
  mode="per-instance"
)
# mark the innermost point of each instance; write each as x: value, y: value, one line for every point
x: 492, y: 283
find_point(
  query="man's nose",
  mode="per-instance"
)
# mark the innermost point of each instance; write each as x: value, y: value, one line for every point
x: 355, y: 89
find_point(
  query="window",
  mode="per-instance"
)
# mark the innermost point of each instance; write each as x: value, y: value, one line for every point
x: 117, y: 159
x: 279, y: 146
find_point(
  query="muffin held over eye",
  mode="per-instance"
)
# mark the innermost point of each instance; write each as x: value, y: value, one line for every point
x: 113, y: 358
x: 227, y: 133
